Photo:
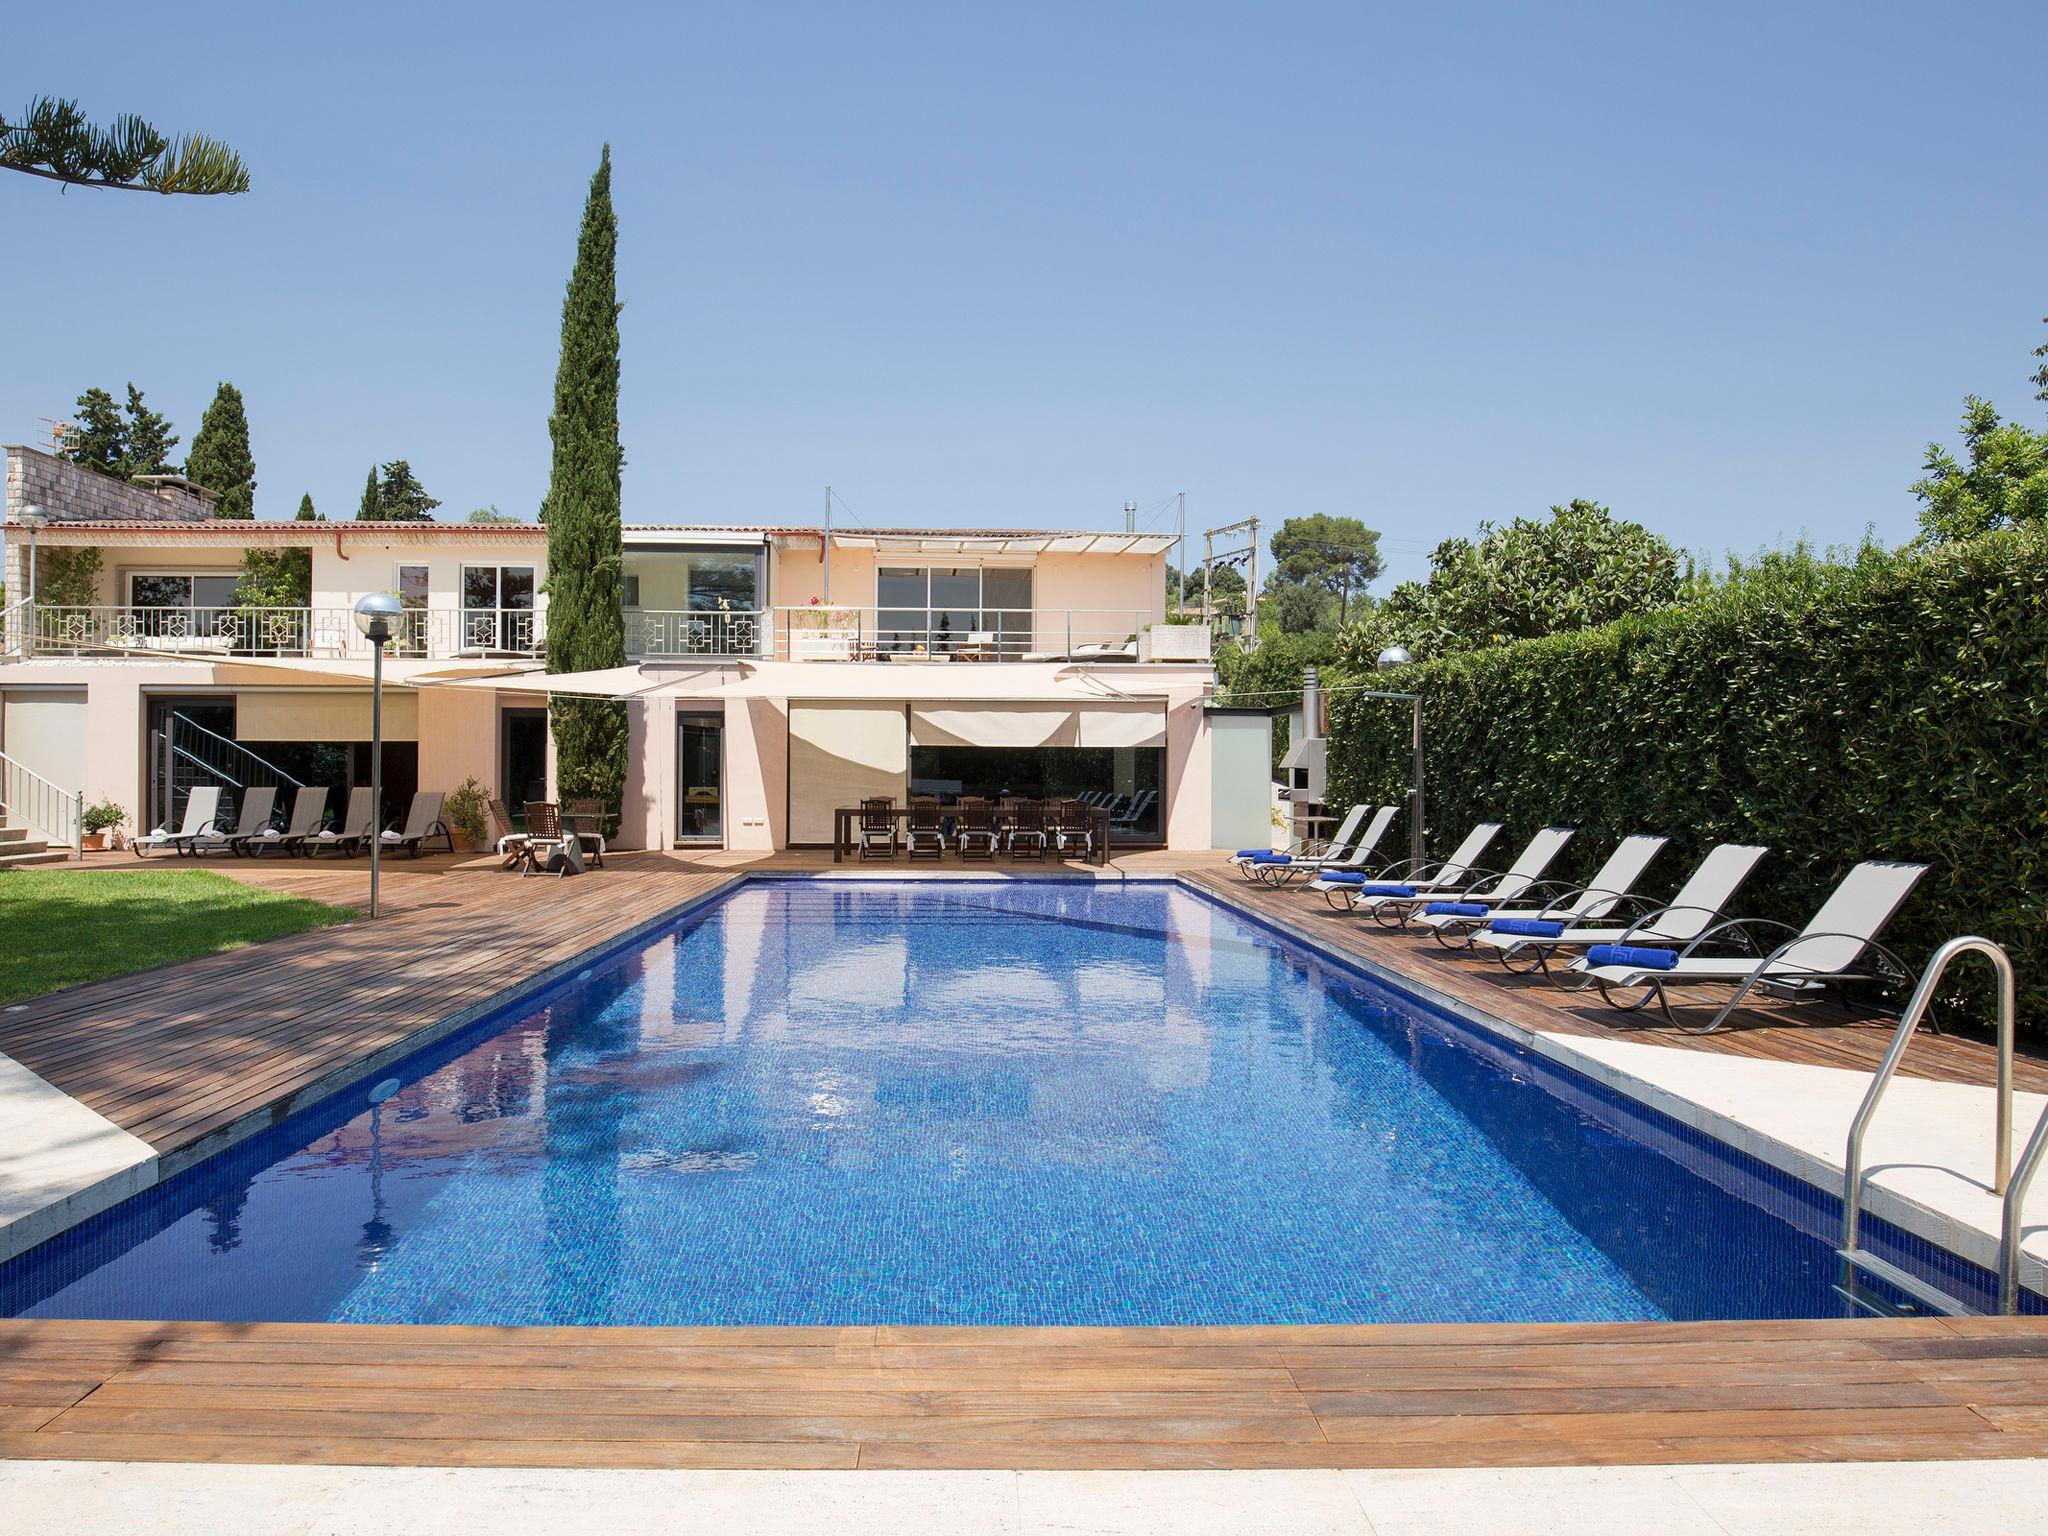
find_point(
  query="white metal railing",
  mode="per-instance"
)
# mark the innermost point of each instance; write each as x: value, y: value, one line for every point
x: 27, y: 799
x: 840, y: 632
x: 315, y: 633
x: 14, y: 622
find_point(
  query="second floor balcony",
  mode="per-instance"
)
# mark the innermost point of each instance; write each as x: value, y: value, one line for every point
x: 314, y: 634
x: 813, y: 633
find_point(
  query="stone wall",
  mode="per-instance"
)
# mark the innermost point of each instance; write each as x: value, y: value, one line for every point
x: 70, y: 493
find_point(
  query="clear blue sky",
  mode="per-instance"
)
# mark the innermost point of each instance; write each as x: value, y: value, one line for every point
x: 1726, y: 268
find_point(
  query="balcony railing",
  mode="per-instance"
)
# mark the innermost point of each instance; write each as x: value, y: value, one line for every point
x: 813, y: 633
x: 843, y: 633
x: 326, y: 634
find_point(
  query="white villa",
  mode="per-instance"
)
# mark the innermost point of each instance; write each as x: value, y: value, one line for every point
x: 777, y: 673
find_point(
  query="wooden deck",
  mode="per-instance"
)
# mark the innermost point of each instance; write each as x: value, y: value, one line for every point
x: 188, y: 1060
x: 1810, y: 1034
x: 1414, y: 1396
x: 185, y: 1058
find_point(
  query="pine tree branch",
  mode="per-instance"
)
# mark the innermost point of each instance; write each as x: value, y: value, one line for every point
x: 53, y: 140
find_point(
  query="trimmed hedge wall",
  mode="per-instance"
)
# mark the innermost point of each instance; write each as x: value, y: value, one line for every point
x: 1893, y: 707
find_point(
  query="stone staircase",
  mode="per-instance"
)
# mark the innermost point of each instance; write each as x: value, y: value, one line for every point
x: 18, y: 850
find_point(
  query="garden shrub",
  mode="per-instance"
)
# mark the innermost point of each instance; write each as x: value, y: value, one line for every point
x: 1890, y: 706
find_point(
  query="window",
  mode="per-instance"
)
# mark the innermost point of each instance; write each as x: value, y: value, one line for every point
x: 164, y: 606
x: 945, y: 608
x: 412, y: 597
x: 497, y: 607
x: 695, y: 601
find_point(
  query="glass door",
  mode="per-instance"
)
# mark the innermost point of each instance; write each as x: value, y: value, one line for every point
x: 700, y: 779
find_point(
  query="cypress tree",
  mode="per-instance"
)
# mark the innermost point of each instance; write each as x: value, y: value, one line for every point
x: 306, y: 512
x: 220, y: 459
x: 368, y: 510
x: 586, y: 625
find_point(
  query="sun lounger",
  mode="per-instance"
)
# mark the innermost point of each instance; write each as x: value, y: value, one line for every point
x: 200, y: 806
x: 1247, y: 861
x: 309, y: 804
x: 1838, y: 949
x: 1355, y: 859
x: 1407, y: 880
x: 422, y: 822
x: 1483, y: 890
x: 258, y: 806
x: 1699, y: 904
x: 354, y: 832
x: 1563, y: 905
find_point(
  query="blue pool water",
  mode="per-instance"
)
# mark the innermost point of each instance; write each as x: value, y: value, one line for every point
x: 1021, y: 1102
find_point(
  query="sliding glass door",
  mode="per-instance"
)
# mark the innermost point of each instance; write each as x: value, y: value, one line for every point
x: 984, y: 611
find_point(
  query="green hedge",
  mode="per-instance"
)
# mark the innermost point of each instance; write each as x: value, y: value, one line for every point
x: 1889, y: 707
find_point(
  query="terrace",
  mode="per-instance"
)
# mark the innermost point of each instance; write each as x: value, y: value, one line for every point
x: 326, y: 1009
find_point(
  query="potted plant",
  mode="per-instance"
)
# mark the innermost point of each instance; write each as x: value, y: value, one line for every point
x: 96, y: 822
x: 467, y: 812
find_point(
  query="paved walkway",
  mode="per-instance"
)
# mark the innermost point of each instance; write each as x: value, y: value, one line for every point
x: 1864, y: 1499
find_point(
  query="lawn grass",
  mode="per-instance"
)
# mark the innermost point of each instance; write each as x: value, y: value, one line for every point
x: 60, y: 928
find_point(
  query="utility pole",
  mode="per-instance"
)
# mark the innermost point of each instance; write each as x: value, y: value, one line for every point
x: 1245, y: 554
x: 1180, y: 552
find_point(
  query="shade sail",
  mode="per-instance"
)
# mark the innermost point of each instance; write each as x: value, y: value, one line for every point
x: 840, y: 752
x: 993, y: 725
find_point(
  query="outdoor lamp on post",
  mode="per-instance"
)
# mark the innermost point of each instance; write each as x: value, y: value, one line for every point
x: 1397, y: 656
x: 377, y: 617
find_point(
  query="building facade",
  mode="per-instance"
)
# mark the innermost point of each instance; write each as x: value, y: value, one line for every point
x: 775, y: 673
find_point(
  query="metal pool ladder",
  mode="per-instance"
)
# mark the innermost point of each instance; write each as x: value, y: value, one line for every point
x: 2008, y: 1181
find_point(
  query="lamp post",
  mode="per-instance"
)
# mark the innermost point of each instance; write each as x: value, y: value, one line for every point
x: 1397, y: 656
x: 376, y: 616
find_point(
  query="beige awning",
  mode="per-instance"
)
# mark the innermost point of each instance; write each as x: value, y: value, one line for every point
x: 993, y: 725
x: 323, y: 714
x: 1123, y: 725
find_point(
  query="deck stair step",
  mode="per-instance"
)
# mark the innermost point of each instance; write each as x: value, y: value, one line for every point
x: 1927, y: 1297
x: 18, y: 850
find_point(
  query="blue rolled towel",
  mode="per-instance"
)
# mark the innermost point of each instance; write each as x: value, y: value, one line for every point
x: 1366, y: 889
x: 1272, y: 858
x: 1455, y: 909
x: 1527, y: 927
x: 1632, y: 957
x: 1250, y: 853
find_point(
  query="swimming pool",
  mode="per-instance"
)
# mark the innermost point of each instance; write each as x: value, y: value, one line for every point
x: 1006, y: 1102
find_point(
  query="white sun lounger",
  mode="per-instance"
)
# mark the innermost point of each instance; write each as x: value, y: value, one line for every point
x: 1609, y: 885
x: 1367, y: 845
x: 309, y: 804
x: 356, y: 825
x: 1700, y: 903
x: 201, y: 805
x: 257, y: 806
x: 1829, y: 952
x: 1482, y: 888
x: 1247, y: 861
x: 1429, y: 881
x: 422, y: 821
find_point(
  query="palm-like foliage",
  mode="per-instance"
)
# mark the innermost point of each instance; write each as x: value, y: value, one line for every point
x: 53, y: 139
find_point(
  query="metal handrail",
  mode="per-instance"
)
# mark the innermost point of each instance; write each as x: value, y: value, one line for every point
x: 49, y: 807
x: 16, y: 619
x: 2002, y: 1168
